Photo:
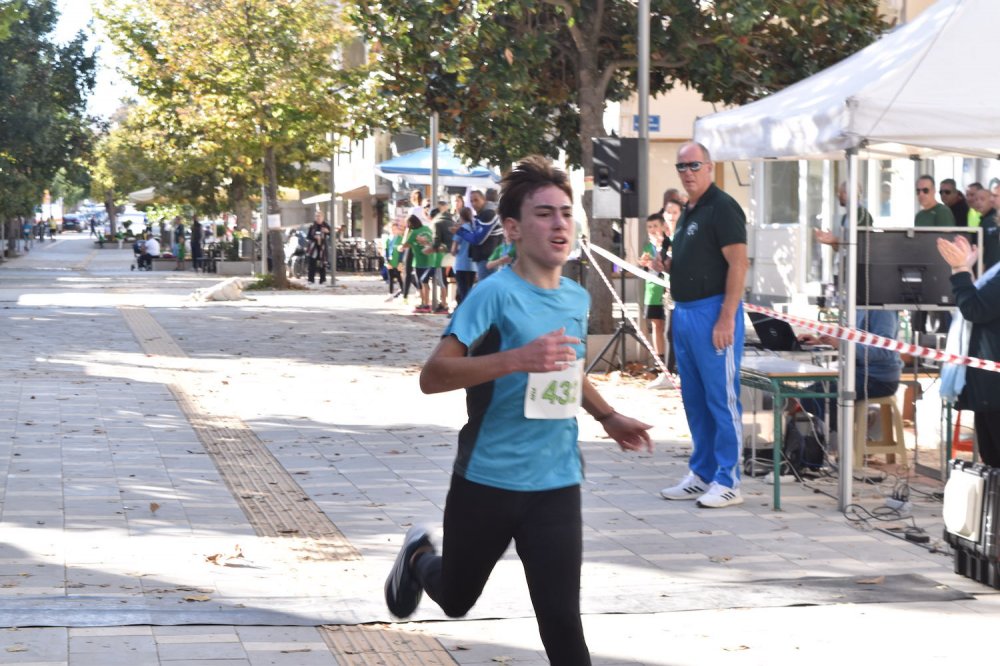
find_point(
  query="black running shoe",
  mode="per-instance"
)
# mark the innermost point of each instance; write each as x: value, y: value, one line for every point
x: 402, y: 591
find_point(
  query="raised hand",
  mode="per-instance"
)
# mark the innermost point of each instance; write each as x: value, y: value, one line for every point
x: 548, y: 352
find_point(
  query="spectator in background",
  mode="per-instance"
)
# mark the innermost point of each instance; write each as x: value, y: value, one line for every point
x: 197, y: 242
x: 417, y: 206
x: 421, y: 238
x: 970, y: 193
x: 975, y: 332
x: 991, y: 232
x: 318, y: 238
x: 955, y: 200
x: 672, y: 195
x: 707, y: 273
x: 486, y: 222
x: 442, y: 224
x: 876, y: 370
x: 654, y: 254
x: 465, y: 269
x: 503, y: 256
x: 931, y: 213
x: 392, y: 257
x: 150, y: 250
x: 179, y: 242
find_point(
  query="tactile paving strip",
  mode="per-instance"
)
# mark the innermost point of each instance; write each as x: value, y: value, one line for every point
x: 274, y: 504
x: 383, y: 645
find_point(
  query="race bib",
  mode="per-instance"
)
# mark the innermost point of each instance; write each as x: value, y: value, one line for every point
x: 554, y: 395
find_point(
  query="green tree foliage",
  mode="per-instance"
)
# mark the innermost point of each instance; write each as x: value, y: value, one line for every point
x: 238, y: 91
x: 43, y: 88
x: 513, y: 77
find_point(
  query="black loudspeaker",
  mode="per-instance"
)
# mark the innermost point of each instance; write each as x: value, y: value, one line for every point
x: 616, y: 178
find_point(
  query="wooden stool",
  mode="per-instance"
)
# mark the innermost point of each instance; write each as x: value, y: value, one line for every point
x: 892, y: 441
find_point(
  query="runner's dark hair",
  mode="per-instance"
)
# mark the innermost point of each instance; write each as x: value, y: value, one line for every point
x: 527, y: 177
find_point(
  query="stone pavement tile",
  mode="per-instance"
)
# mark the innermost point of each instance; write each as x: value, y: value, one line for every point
x: 209, y: 649
x: 208, y: 662
x: 20, y: 646
x: 111, y: 631
x: 112, y: 650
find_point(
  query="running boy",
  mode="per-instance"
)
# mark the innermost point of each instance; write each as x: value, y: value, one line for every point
x: 516, y: 346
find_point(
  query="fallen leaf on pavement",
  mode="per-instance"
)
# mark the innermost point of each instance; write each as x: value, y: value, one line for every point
x: 223, y: 559
x: 198, y: 597
x: 877, y: 580
x: 17, y: 648
x: 153, y: 506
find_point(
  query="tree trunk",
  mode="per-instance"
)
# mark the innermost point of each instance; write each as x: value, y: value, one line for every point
x: 592, y: 125
x: 112, y: 210
x: 239, y: 199
x: 275, y: 241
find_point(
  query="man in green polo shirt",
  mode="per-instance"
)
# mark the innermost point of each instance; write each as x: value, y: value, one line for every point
x: 931, y: 213
x: 707, y: 273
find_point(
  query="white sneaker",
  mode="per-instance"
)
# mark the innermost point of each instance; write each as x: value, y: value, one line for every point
x: 719, y: 496
x: 688, y: 489
x: 662, y: 382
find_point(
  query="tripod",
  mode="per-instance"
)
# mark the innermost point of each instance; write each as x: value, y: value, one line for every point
x: 622, y: 332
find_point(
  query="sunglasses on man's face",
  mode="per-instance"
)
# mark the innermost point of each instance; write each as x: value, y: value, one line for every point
x: 947, y: 193
x: 684, y: 166
x: 923, y: 190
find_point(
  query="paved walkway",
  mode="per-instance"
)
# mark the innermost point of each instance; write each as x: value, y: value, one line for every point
x: 228, y: 483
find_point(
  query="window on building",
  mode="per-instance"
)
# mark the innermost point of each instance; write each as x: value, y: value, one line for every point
x: 816, y: 211
x: 782, y: 191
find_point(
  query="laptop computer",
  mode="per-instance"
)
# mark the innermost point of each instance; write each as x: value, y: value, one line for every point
x: 777, y: 335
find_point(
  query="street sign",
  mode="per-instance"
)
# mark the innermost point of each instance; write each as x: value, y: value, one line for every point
x: 654, y: 123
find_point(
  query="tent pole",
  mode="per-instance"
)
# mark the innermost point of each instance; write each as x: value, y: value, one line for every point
x: 848, y: 317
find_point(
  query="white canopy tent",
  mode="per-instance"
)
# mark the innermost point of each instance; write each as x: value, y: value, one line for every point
x: 922, y: 89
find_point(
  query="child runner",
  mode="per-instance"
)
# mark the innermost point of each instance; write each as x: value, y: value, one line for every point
x: 421, y: 237
x: 517, y: 346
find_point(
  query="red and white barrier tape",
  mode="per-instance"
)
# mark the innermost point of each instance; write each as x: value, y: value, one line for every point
x: 834, y: 330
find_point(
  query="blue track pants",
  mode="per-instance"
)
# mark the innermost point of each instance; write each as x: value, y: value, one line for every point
x: 710, y: 389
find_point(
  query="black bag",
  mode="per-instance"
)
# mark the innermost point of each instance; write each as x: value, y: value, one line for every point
x: 805, y: 442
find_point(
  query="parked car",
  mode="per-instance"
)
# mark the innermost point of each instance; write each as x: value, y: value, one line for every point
x: 72, y: 222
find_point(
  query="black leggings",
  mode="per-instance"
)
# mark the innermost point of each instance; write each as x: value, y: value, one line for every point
x: 394, y: 279
x: 546, y: 527
x: 464, y: 281
x: 409, y: 279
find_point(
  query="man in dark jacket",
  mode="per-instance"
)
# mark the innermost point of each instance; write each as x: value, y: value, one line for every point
x: 197, y: 240
x: 955, y: 200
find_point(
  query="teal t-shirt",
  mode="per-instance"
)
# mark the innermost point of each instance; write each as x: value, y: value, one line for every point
x: 499, y: 447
